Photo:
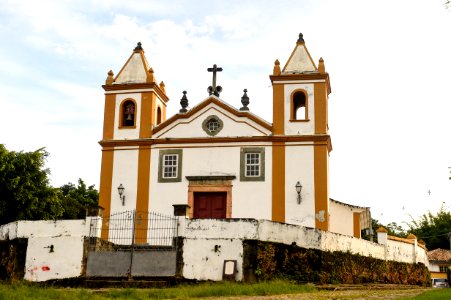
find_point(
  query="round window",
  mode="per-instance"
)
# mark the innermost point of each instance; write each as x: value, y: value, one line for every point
x: 212, y: 125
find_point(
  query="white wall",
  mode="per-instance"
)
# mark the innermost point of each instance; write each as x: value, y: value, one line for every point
x: 201, y: 237
x: 66, y: 237
x: 232, y: 125
x: 299, y: 166
x: 296, y: 128
x: 127, y: 133
x: 249, y: 199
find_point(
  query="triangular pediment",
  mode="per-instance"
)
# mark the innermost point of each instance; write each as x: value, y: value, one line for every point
x: 135, y: 70
x: 232, y: 122
x: 300, y: 61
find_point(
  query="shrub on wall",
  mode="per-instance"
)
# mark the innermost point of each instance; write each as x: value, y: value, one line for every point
x: 12, y: 259
x: 265, y: 260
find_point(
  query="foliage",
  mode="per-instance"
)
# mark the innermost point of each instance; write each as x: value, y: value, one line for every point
x: 433, y: 229
x: 274, y: 260
x: 75, y: 199
x: 393, y: 229
x: 25, y: 193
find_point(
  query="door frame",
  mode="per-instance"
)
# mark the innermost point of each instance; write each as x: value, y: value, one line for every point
x: 210, y: 186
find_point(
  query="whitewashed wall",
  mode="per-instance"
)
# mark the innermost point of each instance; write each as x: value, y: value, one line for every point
x: 66, y: 237
x: 296, y: 128
x: 299, y: 166
x: 204, y: 262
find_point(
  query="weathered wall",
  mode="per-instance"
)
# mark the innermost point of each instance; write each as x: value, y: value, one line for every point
x: 266, y: 260
x: 55, y: 248
x: 203, y: 238
x: 12, y: 259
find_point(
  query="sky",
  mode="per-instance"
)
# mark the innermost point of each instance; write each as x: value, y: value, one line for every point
x: 389, y: 64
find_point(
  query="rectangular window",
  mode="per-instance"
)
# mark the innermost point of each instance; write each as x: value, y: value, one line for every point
x: 252, y: 164
x: 443, y: 269
x: 170, y: 165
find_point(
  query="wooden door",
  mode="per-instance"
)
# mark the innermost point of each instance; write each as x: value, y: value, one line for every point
x: 210, y: 205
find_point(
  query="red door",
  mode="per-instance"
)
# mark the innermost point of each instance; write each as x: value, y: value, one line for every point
x: 210, y: 205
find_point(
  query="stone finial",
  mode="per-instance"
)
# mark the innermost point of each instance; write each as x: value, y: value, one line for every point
x: 109, y: 80
x: 162, y: 87
x: 321, y: 66
x: 138, y: 47
x: 150, y: 76
x: 301, y: 38
x: 245, y: 101
x: 276, y: 71
x: 421, y: 242
x: 183, y: 103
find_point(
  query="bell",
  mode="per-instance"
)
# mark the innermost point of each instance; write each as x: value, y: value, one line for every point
x: 129, y: 117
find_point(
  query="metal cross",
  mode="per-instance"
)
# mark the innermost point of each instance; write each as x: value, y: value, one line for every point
x: 215, y: 90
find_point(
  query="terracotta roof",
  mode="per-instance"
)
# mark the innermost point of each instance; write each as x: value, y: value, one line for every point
x: 439, y: 255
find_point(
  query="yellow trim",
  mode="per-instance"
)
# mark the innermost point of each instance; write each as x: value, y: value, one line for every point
x: 278, y: 182
x: 106, y: 182
x: 108, y: 117
x: 292, y: 112
x: 147, y: 102
x: 278, y: 110
x: 356, y: 219
x: 320, y: 108
x: 321, y: 154
x: 142, y: 193
x: 121, y: 114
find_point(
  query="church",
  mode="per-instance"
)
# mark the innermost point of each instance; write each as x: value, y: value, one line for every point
x: 222, y: 161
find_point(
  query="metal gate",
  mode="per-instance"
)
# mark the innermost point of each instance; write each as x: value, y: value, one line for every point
x: 131, y: 244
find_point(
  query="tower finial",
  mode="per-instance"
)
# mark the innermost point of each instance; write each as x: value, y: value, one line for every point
x: 245, y: 101
x: 109, y: 80
x: 276, y: 70
x: 138, y: 47
x: 184, y: 103
x: 301, y: 38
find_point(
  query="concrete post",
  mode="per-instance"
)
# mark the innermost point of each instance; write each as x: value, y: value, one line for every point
x: 382, y: 238
x: 415, y: 247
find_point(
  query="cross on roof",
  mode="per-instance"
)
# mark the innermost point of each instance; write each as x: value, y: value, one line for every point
x: 213, y: 89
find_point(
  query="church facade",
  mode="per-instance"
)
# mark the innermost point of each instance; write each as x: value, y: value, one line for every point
x: 222, y: 161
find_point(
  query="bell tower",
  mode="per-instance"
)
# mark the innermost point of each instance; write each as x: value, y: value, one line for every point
x: 134, y: 104
x: 300, y: 96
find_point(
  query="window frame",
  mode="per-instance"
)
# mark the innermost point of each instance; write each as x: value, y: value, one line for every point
x: 244, y: 151
x: 294, y: 117
x: 179, y: 164
x: 122, y: 113
x: 208, y: 120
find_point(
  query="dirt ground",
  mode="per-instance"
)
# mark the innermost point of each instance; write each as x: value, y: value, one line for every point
x: 387, y: 292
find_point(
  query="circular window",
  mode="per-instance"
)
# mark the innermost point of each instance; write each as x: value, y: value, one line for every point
x: 212, y: 125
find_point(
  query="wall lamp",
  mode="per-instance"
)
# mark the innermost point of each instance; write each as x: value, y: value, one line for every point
x: 120, y: 190
x: 298, y: 190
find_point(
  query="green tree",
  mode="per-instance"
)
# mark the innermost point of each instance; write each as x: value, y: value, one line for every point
x: 433, y: 229
x: 25, y: 193
x: 76, y: 199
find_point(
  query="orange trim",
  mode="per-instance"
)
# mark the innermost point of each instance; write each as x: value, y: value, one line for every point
x: 356, y: 219
x: 278, y: 113
x: 292, y: 112
x: 213, y: 108
x: 323, y: 139
x: 204, y: 104
x: 320, y: 108
x: 278, y: 182
x: 121, y: 114
x: 134, y: 86
x: 321, y: 155
x: 227, y: 187
x: 106, y: 182
x: 142, y: 193
x: 308, y: 76
x: 147, y: 103
x: 108, y: 116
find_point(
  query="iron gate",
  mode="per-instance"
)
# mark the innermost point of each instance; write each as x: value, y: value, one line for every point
x: 131, y: 244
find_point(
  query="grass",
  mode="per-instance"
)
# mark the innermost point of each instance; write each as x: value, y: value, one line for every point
x: 435, y: 294
x: 29, y: 291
